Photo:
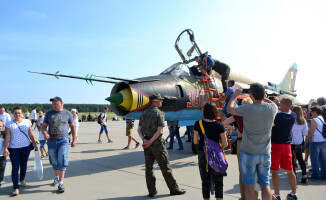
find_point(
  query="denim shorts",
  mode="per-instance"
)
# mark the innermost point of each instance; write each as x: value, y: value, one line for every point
x: 42, y: 143
x: 58, y: 153
x: 104, y: 128
x: 250, y: 163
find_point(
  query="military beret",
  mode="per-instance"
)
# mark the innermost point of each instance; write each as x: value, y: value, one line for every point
x: 155, y: 97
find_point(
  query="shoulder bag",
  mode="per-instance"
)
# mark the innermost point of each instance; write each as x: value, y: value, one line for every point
x: 323, y: 132
x: 31, y: 146
x: 214, y: 153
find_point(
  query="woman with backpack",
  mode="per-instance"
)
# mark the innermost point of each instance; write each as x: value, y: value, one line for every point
x: 317, y: 144
x: 215, y: 131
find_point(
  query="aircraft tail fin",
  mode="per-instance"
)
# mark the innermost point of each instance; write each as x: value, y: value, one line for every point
x: 288, y: 82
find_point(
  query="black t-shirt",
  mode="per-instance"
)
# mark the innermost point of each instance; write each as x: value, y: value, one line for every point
x: 212, y: 131
x: 281, y: 132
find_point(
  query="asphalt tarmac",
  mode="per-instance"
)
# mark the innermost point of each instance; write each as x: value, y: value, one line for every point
x: 105, y: 171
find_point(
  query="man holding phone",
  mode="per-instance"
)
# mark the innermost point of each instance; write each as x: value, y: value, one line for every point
x: 255, y: 149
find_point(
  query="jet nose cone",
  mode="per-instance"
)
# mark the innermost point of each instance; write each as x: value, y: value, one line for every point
x: 116, y: 99
x: 123, y: 99
x: 129, y: 99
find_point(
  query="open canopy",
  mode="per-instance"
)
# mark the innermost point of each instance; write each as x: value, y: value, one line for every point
x: 187, y: 46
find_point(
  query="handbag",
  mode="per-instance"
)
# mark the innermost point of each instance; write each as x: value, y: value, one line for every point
x: 31, y: 146
x: 214, y: 154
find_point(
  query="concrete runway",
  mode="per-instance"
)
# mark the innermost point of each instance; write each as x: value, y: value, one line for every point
x: 105, y: 171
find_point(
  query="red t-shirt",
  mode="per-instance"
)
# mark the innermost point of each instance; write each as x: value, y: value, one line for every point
x: 239, y: 121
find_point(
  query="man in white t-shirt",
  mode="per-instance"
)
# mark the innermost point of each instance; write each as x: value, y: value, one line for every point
x: 104, y: 126
x: 33, y: 116
x: 5, y: 118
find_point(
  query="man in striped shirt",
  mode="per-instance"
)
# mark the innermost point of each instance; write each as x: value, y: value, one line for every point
x: 228, y: 94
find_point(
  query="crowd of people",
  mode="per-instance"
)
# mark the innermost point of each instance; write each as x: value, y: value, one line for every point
x: 17, y: 140
x: 271, y: 134
x: 272, y: 139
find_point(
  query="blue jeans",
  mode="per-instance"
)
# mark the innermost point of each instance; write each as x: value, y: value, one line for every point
x: 104, y: 128
x: 18, y: 158
x: 177, y: 135
x: 317, y: 155
x: 250, y: 163
x: 58, y: 153
x: 226, y: 114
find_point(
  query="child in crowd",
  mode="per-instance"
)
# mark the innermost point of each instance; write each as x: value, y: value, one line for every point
x: 39, y: 122
x: 2, y: 158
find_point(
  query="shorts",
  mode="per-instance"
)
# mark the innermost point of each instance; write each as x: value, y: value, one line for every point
x: 128, y: 130
x: 250, y: 163
x: 226, y: 114
x: 104, y: 128
x: 33, y: 121
x: 281, y: 157
x: 42, y: 143
x: 58, y: 154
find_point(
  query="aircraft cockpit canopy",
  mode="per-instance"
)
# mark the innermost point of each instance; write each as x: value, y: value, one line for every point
x: 178, y: 69
x: 187, y: 46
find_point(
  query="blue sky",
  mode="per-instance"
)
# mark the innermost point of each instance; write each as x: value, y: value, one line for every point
x: 131, y: 39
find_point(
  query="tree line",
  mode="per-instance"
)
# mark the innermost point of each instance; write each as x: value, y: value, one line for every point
x: 47, y: 107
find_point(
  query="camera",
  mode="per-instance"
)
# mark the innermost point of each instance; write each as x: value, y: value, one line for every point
x: 246, y: 91
x: 229, y: 137
x: 271, y: 98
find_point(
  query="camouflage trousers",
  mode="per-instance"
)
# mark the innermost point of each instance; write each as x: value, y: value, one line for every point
x: 158, y: 152
x: 207, y: 177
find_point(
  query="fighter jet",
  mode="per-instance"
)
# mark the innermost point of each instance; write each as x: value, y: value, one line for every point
x: 184, y: 94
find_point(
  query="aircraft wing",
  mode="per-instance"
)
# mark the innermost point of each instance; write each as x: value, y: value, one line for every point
x: 128, y: 80
x: 87, y: 78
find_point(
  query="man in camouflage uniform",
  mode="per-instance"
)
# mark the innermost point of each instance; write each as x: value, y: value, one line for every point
x: 224, y: 70
x: 150, y: 130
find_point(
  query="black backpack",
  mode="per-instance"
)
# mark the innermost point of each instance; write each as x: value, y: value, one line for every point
x: 324, y: 129
x: 99, y: 118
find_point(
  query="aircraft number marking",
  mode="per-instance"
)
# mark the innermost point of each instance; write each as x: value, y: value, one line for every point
x: 189, y: 93
x: 195, y: 99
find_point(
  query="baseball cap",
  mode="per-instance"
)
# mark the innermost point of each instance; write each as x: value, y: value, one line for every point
x: 56, y: 99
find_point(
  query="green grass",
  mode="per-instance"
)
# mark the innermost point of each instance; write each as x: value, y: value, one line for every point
x: 109, y: 115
